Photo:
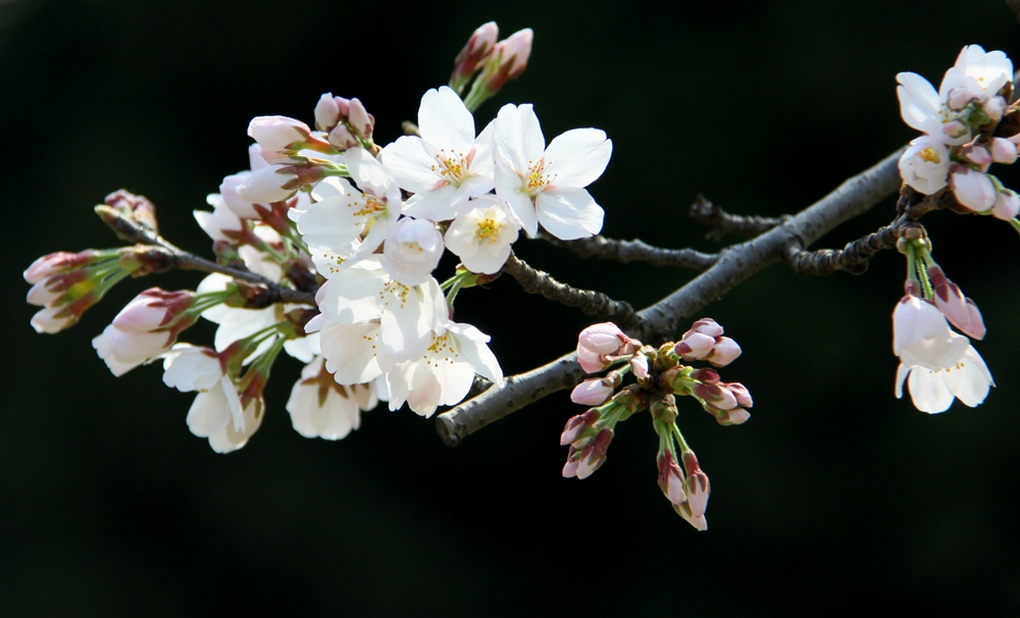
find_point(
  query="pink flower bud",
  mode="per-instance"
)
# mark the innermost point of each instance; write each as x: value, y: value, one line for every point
x: 153, y: 309
x: 671, y: 479
x: 594, y: 454
x: 707, y: 326
x: 514, y: 52
x: 958, y: 99
x: 955, y: 128
x: 274, y: 183
x: 122, y: 351
x: 740, y: 392
x: 960, y: 311
x: 599, y: 341
x: 694, y: 346
x: 359, y: 118
x: 52, y: 320
x: 1007, y: 205
x: 639, y: 366
x: 341, y: 137
x: 724, y: 352
x: 696, y: 484
x: 994, y: 108
x: 978, y: 155
x: 474, y: 54
x: 577, y: 425
x: 278, y: 134
x: 1003, y: 151
x: 973, y: 189
x: 705, y: 375
x: 736, y: 416
x: 53, y: 263
x: 716, y: 396
x: 327, y: 112
x: 591, y: 392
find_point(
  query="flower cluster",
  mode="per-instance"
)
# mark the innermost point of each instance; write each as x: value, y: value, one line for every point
x: 661, y: 376
x: 961, y: 137
x: 326, y: 213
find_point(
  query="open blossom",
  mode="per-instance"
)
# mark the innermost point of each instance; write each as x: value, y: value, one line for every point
x: 444, y: 374
x: 364, y: 292
x: 447, y: 164
x: 546, y: 185
x: 937, y: 364
x: 217, y: 412
x: 925, y: 165
x: 972, y: 83
x: 321, y: 408
x: 345, y: 221
x: 482, y: 234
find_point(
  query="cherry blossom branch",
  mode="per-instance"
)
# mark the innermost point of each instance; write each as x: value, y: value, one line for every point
x: 589, y: 302
x: 852, y: 198
x: 721, y: 222
x: 625, y: 251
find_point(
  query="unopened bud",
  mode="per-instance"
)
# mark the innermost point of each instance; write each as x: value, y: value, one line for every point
x: 724, y: 352
x: 1007, y: 205
x: 1003, y: 151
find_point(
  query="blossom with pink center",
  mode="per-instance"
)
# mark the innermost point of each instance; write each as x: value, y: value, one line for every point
x: 546, y: 185
x: 447, y: 164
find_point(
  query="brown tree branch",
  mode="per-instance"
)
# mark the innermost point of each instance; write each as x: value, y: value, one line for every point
x: 736, y: 264
x: 625, y: 251
x: 589, y: 302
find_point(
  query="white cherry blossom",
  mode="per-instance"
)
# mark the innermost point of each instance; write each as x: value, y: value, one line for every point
x: 546, y: 185
x: 345, y: 221
x: 482, y: 234
x: 447, y: 164
x: 446, y: 370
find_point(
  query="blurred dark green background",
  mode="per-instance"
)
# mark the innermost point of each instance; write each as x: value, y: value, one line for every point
x: 834, y: 498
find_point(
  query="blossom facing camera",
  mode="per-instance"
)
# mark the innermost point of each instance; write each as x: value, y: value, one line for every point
x: 545, y: 185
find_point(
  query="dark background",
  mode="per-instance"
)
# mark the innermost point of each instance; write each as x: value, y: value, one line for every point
x: 835, y: 497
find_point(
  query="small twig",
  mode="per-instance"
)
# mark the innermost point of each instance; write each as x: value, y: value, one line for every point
x: 625, y: 251
x: 131, y: 229
x: 589, y: 302
x: 853, y: 258
x: 721, y: 222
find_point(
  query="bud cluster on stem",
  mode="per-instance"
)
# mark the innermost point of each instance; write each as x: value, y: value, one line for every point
x: 661, y: 376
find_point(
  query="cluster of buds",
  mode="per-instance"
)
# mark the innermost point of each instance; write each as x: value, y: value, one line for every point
x: 66, y: 284
x: 661, y: 376
x: 965, y: 132
x: 345, y: 121
x: 494, y: 62
x: 939, y: 365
